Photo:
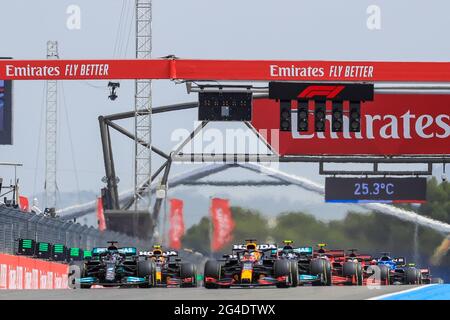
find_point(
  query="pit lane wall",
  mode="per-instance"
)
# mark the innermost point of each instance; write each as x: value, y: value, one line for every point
x: 17, y: 272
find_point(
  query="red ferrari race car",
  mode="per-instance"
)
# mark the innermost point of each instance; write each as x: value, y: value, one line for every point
x: 345, y: 270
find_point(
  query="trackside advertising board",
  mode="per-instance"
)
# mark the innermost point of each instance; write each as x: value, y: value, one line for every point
x: 392, y: 124
x: 194, y: 69
x: 18, y: 272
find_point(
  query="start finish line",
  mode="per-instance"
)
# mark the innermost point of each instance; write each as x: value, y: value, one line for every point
x: 232, y: 70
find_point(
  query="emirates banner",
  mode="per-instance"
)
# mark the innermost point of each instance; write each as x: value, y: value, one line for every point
x: 406, y: 124
x: 190, y: 69
x: 223, y: 223
x: 176, y: 221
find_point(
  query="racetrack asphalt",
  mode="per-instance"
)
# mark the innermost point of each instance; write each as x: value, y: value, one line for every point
x: 266, y: 293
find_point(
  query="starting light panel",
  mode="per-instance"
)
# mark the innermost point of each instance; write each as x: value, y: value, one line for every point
x: 320, y: 113
x: 320, y: 93
x: 43, y: 250
x: 225, y: 106
x: 355, y: 116
x: 285, y: 115
x: 382, y: 189
x: 26, y: 247
x: 302, y: 115
x: 337, y: 116
x: 59, y: 252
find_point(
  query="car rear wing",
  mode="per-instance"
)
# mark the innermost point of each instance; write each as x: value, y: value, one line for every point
x: 364, y: 257
x: 425, y: 271
x: 336, y: 253
x: 261, y: 247
x: 98, y: 251
x: 308, y: 251
x: 400, y: 261
x: 128, y: 251
x: 170, y: 253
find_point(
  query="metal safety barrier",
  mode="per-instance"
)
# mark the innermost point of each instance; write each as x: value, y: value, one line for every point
x: 15, y: 224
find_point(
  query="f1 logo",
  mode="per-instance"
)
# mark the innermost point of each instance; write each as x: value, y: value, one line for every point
x: 328, y: 92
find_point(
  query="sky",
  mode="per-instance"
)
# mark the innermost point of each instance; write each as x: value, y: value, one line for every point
x: 251, y: 29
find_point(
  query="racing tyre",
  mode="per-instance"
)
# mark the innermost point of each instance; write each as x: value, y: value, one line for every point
x: 282, y: 268
x: 328, y: 274
x: 294, y: 273
x: 146, y: 269
x: 212, y: 270
x: 187, y: 270
x: 318, y: 267
x: 419, y: 276
x: 384, y: 274
x: 350, y: 269
x: 411, y: 275
x: 359, y: 275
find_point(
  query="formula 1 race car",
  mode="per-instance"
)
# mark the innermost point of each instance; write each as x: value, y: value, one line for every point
x: 169, y: 270
x: 396, y: 271
x: 111, y: 267
x: 314, y: 271
x: 249, y: 265
x: 345, y: 270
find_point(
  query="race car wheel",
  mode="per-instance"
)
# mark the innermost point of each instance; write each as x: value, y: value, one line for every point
x: 317, y: 266
x: 294, y: 273
x: 411, y: 275
x: 350, y: 269
x: 419, y: 276
x: 359, y: 275
x: 384, y: 274
x: 212, y: 270
x: 328, y: 274
x: 146, y: 269
x: 187, y: 270
x: 282, y: 268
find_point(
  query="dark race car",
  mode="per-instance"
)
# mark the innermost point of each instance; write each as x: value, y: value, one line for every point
x: 169, y: 270
x: 314, y: 271
x: 249, y: 265
x: 398, y: 271
x: 112, y: 266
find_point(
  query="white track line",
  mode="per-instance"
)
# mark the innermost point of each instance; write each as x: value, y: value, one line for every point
x: 401, y: 292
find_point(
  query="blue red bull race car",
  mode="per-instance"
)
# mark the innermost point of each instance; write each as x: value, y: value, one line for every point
x: 168, y: 269
x: 249, y: 265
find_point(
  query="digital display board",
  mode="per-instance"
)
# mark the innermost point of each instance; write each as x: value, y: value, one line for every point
x: 44, y: 250
x: 5, y: 112
x: 59, y: 252
x: 225, y: 106
x: 382, y: 189
x: 26, y: 247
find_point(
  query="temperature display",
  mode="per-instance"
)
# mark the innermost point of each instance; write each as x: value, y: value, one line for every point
x: 375, y: 190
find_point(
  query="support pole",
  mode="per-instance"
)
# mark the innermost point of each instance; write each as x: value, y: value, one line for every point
x: 111, y: 179
x: 51, y: 132
x: 143, y: 108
